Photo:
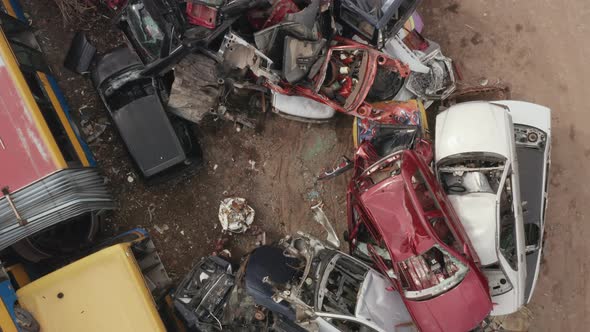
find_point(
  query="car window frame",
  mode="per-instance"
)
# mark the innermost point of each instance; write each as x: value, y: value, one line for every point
x: 508, y: 172
x: 443, y: 213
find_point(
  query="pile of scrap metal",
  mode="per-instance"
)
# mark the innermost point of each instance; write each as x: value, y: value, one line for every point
x: 296, y: 284
x: 303, y: 59
x: 311, y: 59
x: 469, y: 217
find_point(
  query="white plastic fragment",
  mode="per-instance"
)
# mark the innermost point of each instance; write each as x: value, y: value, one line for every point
x: 235, y: 215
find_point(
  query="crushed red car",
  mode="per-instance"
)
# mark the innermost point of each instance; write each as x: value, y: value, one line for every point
x: 344, y: 80
x: 401, y: 221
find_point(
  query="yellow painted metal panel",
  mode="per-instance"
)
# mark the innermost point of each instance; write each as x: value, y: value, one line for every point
x: 9, y: 8
x: 64, y: 119
x: 425, y: 128
x: 7, y: 56
x: 6, y: 322
x: 20, y: 275
x: 101, y: 292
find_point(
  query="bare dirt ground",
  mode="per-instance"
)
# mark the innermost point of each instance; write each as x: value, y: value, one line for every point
x: 538, y: 47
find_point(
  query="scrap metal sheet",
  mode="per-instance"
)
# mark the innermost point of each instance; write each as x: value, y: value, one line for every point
x: 24, y: 155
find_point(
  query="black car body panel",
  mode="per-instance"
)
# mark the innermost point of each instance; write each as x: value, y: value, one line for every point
x: 148, y: 134
x: 114, y: 62
x: 136, y: 105
x: 268, y: 269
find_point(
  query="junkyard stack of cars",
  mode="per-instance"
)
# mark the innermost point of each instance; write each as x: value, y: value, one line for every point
x: 445, y: 206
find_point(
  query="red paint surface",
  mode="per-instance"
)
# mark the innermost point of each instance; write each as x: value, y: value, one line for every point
x: 262, y: 19
x: 460, y: 309
x: 202, y: 15
x: 393, y: 212
x: 24, y: 156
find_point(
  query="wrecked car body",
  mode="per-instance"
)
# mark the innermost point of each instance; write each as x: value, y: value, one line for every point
x: 297, y: 284
x: 533, y: 150
x: 400, y: 220
x: 297, y: 65
x: 477, y: 163
x: 432, y: 74
x: 156, y: 141
x: 345, y: 80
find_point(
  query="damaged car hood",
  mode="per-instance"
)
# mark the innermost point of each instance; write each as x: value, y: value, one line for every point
x: 477, y: 212
x: 473, y: 127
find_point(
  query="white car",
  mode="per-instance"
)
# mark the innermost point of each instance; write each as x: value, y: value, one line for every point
x: 492, y: 159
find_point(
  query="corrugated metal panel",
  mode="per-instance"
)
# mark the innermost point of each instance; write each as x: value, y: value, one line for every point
x: 58, y: 197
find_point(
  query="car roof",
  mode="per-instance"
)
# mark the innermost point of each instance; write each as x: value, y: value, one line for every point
x: 473, y: 127
x: 148, y: 134
x: 392, y: 210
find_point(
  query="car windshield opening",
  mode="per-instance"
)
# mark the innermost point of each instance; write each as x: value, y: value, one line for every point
x: 430, y: 274
x: 433, y: 211
x: 472, y: 174
x: 145, y: 29
x: 388, y: 167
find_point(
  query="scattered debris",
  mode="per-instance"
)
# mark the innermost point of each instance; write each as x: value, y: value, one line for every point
x: 151, y: 210
x: 320, y: 217
x: 99, y: 129
x: 261, y: 239
x: 252, y: 165
x: 345, y: 165
x: 235, y: 215
x: 162, y: 229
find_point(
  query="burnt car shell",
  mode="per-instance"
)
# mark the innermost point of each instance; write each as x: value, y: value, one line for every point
x: 394, y: 218
x: 136, y: 107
